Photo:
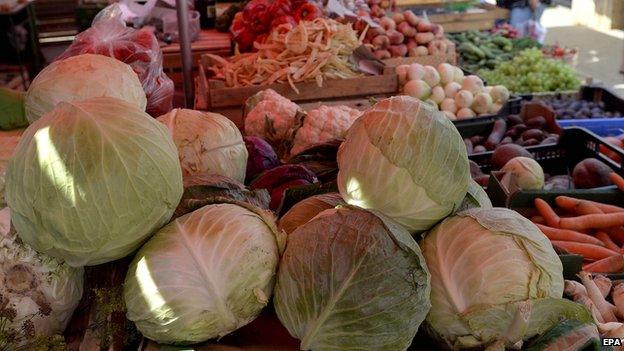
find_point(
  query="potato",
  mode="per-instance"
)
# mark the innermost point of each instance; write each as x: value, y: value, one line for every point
x: 398, y: 50
x: 591, y: 173
x: 406, y: 29
x: 424, y: 38
x: 424, y: 26
x: 411, y: 18
x: 381, y: 41
x: 387, y: 23
x: 398, y: 18
x: 395, y: 37
x: 504, y: 153
x: 382, y: 54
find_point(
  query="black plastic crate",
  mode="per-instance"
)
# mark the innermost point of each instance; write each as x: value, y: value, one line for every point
x: 512, y: 107
x: 575, y: 145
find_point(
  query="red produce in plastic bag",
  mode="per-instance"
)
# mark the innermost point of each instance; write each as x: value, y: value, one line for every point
x: 109, y: 36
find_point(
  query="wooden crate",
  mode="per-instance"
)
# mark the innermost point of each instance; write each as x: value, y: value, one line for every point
x: 429, y: 60
x: 214, y: 96
x: 209, y: 41
x: 480, y: 17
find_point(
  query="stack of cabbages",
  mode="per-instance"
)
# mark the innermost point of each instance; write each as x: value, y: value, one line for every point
x: 410, y: 241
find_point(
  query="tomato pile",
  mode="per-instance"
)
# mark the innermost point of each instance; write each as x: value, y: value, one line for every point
x: 258, y: 17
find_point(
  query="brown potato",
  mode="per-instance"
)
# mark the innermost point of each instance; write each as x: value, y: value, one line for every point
x: 591, y: 173
x: 504, y: 153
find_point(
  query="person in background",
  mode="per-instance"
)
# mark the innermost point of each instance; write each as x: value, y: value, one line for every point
x: 521, y: 11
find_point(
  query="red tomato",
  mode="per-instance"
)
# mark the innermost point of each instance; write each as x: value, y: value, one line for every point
x: 280, y: 8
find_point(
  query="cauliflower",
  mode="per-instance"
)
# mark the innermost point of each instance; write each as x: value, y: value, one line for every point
x: 271, y: 116
x: 324, y: 124
x: 39, y: 293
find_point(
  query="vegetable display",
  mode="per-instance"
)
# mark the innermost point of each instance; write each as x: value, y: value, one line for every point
x: 348, y: 277
x: 204, y: 275
x: 505, y: 252
x: 106, y: 77
x: 403, y: 34
x: 604, y: 298
x: 482, y: 50
x: 254, y: 23
x: 584, y: 227
x: 207, y: 143
x: 405, y: 160
x: 568, y: 107
x: 126, y: 163
x: 529, y: 72
x: 447, y: 89
x: 313, y: 50
x: 38, y: 293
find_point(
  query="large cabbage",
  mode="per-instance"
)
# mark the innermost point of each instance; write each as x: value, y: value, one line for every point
x: 352, y: 280
x: 91, y: 180
x: 82, y: 77
x: 38, y: 293
x: 495, y: 278
x: 405, y: 160
x: 207, y: 143
x: 204, y: 275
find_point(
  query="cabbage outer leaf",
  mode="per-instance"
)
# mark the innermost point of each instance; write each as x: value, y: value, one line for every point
x: 502, y: 322
x: 405, y: 160
x: 475, y: 197
x: 352, y: 279
x: 204, y: 275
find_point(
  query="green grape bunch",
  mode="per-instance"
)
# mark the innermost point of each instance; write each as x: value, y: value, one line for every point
x: 531, y: 72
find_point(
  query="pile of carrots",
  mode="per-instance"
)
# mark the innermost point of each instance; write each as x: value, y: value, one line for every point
x: 588, y: 228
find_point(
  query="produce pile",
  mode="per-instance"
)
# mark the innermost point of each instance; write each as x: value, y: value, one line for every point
x: 569, y: 107
x: 403, y: 34
x: 604, y: 298
x: 530, y: 72
x: 483, y: 50
x: 310, y: 51
x: 95, y: 180
x: 447, y: 89
x: 587, y: 228
x: 258, y: 18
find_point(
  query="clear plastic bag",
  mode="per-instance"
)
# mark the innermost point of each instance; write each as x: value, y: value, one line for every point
x: 109, y: 36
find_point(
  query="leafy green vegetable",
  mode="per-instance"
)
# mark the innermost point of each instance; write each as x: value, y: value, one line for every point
x: 495, y: 278
x: 205, y: 274
x: 91, y: 180
x: 352, y: 279
x: 405, y: 160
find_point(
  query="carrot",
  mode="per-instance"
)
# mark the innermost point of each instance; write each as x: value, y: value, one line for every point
x: 538, y: 220
x: 589, y: 251
x: 596, y: 221
x: 549, y: 215
x: 578, y: 206
x: 569, y: 235
x: 606, y: 240
x: 617, y: 180
x: 606, y: 208
x: 611, y: 264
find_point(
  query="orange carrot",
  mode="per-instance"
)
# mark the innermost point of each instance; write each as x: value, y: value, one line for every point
x: 611, y: 264
x: 606, y: 239
x: 606, y: 208
x: 578, y: 206
x: 569, y: 235
x: 590, y: 251
x: 538, y: 220
x: 617, y: 180
x: 595, y: 221
x: 549, y: 215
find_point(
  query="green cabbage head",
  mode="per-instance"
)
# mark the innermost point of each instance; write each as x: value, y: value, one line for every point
x: 81, y: 77
x: 495, y: 279
x: 207, y: 143
x: 405, y: 160
x: 91, y: 180
x: 351, y: 279
x: 205, y: 274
